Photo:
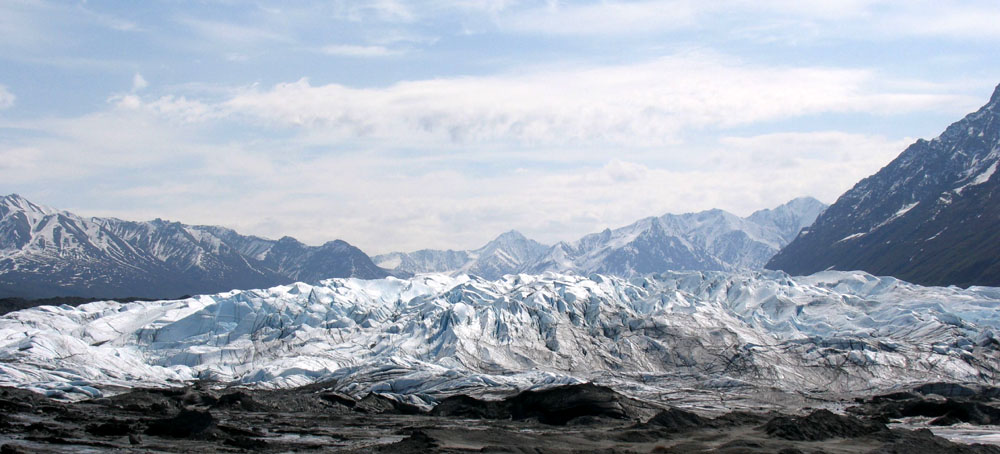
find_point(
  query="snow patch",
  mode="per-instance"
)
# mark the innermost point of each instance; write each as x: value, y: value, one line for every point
x: 899, y: 213
x: 979, y: 179
x: 851, y: 237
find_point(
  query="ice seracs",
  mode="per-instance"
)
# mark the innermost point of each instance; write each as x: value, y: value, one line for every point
x: 435, y: 335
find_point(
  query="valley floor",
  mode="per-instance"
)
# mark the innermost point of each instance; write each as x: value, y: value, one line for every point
x: 567, y: 419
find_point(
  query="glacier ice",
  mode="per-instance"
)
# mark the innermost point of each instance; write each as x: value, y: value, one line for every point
x: 434, y: 335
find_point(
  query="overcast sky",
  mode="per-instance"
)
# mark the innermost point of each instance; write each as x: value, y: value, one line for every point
x: 399, y: 125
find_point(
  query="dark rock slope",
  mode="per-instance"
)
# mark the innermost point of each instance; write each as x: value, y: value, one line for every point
x: 932, y: 216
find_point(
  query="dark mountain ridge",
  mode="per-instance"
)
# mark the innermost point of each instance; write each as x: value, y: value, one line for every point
x: 931, y: 216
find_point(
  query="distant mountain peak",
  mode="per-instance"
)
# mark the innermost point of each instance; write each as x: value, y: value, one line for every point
x: 804, y: 200
x: 15, y: 201
x: 510, y: 235
x: 797, y: 203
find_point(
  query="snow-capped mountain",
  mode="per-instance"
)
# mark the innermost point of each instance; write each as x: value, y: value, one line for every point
x: 930, y: 216
x: 46, y: 252
x: 506, y: 254
x: 709, y: 240
x: 434, y: 335
x: 789, y: 219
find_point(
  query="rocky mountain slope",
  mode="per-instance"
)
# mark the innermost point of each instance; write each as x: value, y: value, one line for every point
x: 46, y: 252
x: 709, y: 240
x: 931, y: 216
x: 436, y: 335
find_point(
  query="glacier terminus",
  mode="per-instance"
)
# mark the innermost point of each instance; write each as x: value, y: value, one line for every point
x: 434, y: 335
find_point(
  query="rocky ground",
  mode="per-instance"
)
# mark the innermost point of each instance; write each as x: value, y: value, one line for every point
x: 568, y: 419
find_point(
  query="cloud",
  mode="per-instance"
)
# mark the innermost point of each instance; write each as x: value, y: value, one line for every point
x: 21, y: 27
x: 974, y: 20
x: 384, y: 199
x: 138, y: 82
x: 31, y: 28
x: 219, y: 32
x: 347, y: 50
x: 822, y: 164
x: 762, y: 20
x: 555, y: 151
x: 6, y: 98
x: 644, y: 104
x: 107, y: 20
x: 614, y: 17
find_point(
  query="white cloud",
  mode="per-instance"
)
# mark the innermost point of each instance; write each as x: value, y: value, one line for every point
x: 822, y: 164
x: 382, y: 200
x: 218, y: 32
x: 6, y: 98
x: 347, y: 50
x: 138, y: 82
x: 644, y: 104
x: 393, y: 11
x: 178, y: 109
x: 17, y: 161
x: 614, y: 17
x: 107, y: 20
x: 568, y: 150
x: 943, y: 19
x: 763, y: 20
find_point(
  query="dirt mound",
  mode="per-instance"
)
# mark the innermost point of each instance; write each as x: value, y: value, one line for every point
x: 924, y: 442
x: 821, y: 425
x: 677, y: 420
x: 186, y: 424
x: 241, y: 400
x: 946, y: 411
x: 114, y: 428
x: 417, y: 441
x: 462, y: 406
x: 554, y: 406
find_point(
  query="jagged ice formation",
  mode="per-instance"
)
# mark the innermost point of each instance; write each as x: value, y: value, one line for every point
x: 435, y: 335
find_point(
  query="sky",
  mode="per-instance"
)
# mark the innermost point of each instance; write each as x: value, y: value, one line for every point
x: 399, y: 125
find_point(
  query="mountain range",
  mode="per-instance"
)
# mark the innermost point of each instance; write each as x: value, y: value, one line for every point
x: 709, y: 240
x: 46, y: 252
x: 931, y: 216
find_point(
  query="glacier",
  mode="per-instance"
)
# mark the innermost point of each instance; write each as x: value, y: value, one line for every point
x: 435, y: 335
